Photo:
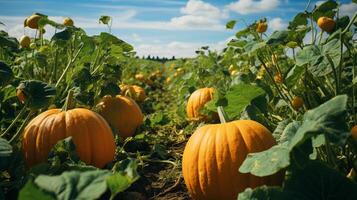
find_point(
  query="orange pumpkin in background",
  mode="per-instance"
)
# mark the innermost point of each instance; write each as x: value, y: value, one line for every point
x: 197, y: 101
x: 32, y: 21
x: 326, y: 24
x: 122, y: 113
x: 91, y: 135
x: 214, y: 153
x: 135, y: 92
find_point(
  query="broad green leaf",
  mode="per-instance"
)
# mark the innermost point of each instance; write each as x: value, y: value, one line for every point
x: 107, y: 40
x: 280, y: 129
x: 240, y: 96
x: 125, y: 175
x: 109, y: 88
x: 278, y: 37
x: 333, y: 50
x: 6, y: 41
x: 342, y: 22
x: 317, y: 181
x: 38, y: 94
x: 267, y: 162
x: 64, y: 151
x: 309, y: 55
x: 289, y: 132
x: 9, y: 92
x: 231, y: 24
x: 64, y: 35
x: 74, y: 184
x: 252, y: 46
x: 6, y: 74
x: 314, y: 181
x: 5, y: 148
x: 328, y: 118
x: 294, y: 75
x: 5, y: 153
x: 326, y: 9
x: 267, y: 193
x: 31, y: 191
x: 243, y: 33
x: 299, y: 20
x: 105, y: 19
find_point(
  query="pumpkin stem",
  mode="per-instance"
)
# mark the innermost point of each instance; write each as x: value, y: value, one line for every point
x: 223, y: 117
x: 69, y: 101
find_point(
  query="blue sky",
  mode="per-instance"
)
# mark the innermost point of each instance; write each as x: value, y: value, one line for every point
x: 159, y: 27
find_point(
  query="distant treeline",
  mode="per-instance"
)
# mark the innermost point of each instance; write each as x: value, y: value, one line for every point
x: 157, y: 58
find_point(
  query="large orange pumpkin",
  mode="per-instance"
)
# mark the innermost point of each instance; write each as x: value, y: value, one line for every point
x: 91, y: 135
x: 135, y: 92
x: 122, y: 113
x: 197, y: 101
x: 215, y: 152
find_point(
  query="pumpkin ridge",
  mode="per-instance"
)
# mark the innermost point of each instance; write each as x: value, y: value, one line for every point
x: 202, y: 176
x: 233, y: 169
x: 218, y: 183
x: 210, y: 157
x: 41, y: 144
x: 202, y: 193
x: 246, y: 148
x: 236, y: 130
x: 90, y: 143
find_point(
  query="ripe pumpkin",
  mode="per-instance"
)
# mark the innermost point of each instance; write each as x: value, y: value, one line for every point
x: 135, y: 92
x: 297, y: 103
x: 168, y: 80
x: 91, y: 134
x: 326, y: 24
x: 261, y: 27
x: 214, y: 153
x: 278, y: 78
x: 20, y: 95
x: 68, y: 22
x: 234, y: 72
x: 32, y: 21
x: 354, y: 132
x: 25, y: 41
x: 122, y: 113
x: 139, y: 77
x: 197, y: 101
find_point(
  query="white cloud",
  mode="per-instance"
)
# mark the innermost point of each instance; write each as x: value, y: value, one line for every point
x: 136, y: 37
x: 199, y: 14
x: 177, y: 48
x: 200, y: 8
x: 276, y: 24
x: 251, y: 6
x: 348, y: 9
